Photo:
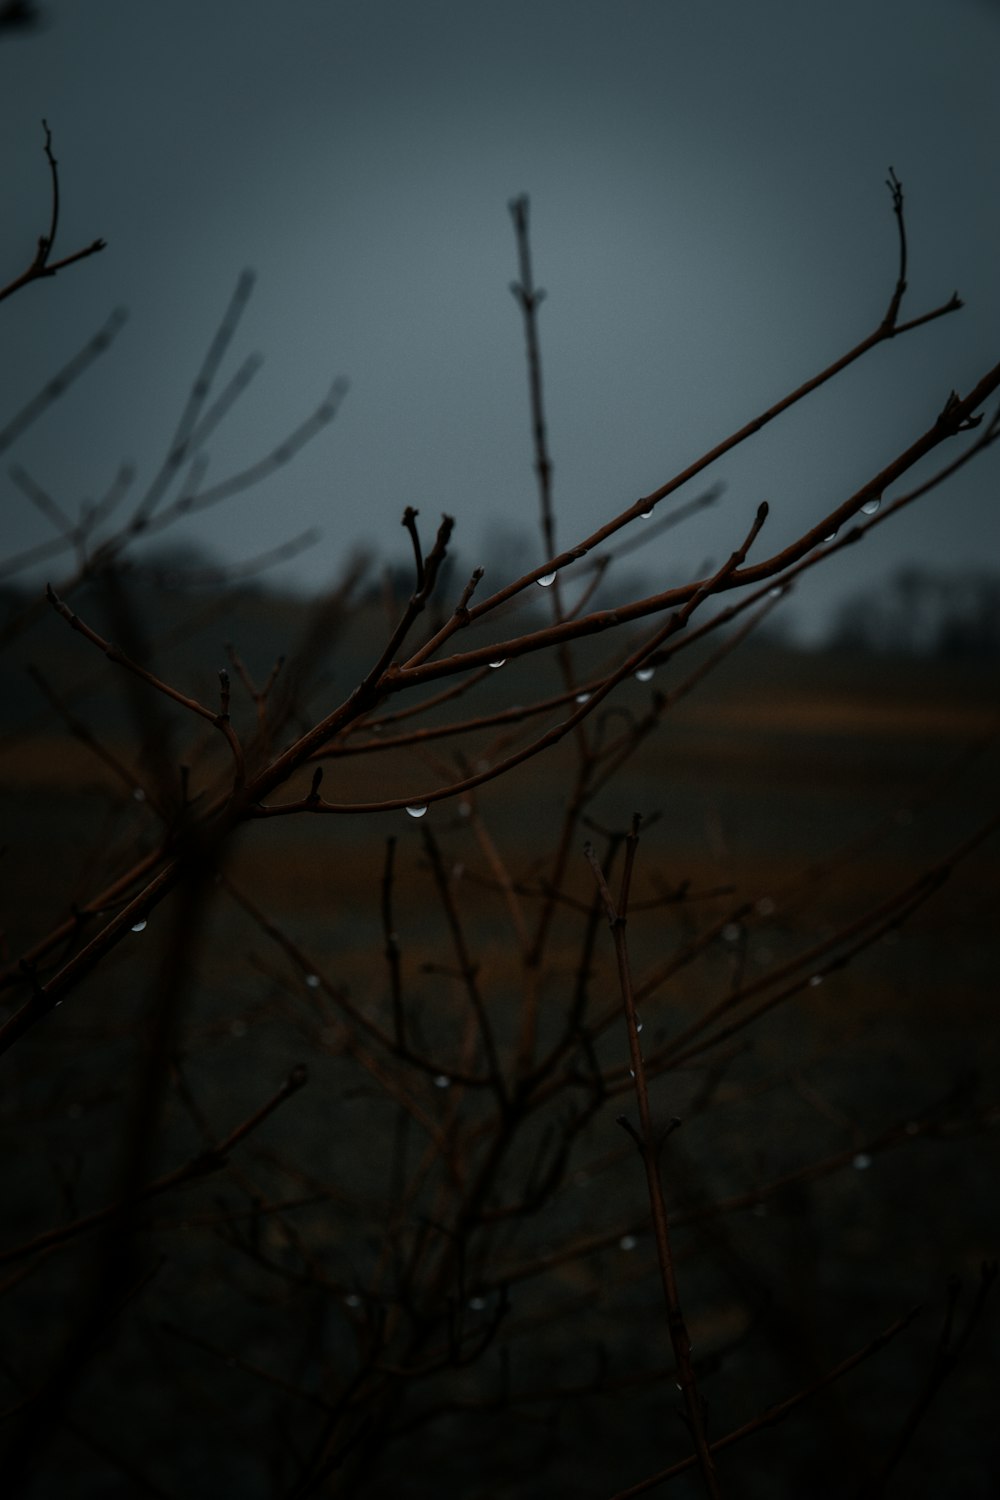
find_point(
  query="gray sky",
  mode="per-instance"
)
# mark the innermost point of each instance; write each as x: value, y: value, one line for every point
x: 709, y: 219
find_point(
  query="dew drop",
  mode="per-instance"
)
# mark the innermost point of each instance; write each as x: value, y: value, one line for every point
x: 442, y: 1081
x: 417, y: 810
x: 138, y: 795
x: 862, y: 1161
x: 546, y: 581
x: 815, y: 980
x: 139, y: 926
x: 583, y: 697
x: 627, y: 1242
x: 498, y: 663
x: 871, y: 506
x: 644, y: 674
x: 312, y: 981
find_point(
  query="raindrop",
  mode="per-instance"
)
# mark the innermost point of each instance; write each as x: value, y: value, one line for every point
x: 352, y: 1300
x: 815, y: 980
x: 644, y: 674
x: 312, y: 981
x: 138, y: 795
x: 639, y: 1023
x: 417, y: 810
x: 871, y: 506
x: 546, y: 581
x: 442, y: 1081
x: 776, y: 592
x: 627, y: 1242
x: 631, y: 1072
x: 583, y: 697
x: 862, y: 1161
x: 498, y: 663
x: 831, y: 536
x: 139, y: 926
x: 645, y: 514
x: 477, y: 1303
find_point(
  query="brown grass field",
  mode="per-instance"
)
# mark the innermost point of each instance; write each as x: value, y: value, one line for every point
x: 851, y: 1131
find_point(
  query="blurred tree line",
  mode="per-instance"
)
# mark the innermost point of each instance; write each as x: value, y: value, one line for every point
x: 924, y: 612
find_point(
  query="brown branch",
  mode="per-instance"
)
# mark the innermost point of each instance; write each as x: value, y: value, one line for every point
x: 211, y: 1160
x: 42, y: 265
x: 63, y: 379
x: 774, y: 1414
x: 617, y: 914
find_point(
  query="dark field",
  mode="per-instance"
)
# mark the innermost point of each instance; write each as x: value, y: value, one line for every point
x: 837, y: 1164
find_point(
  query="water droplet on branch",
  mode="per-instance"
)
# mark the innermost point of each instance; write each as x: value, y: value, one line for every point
x: 417, y: 810
x: 498, y: 663
x: 644, y: 674
x: 627, y: 1242
x: 546, y: 581
x: 312, y: 981
x: 442, y: 1081
x: 871, y: 506
x: 583, y: 697
x: 139, y: 926
x: 862, y: 1161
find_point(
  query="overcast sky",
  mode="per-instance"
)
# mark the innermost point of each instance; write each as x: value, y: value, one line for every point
x: 709, y: 219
